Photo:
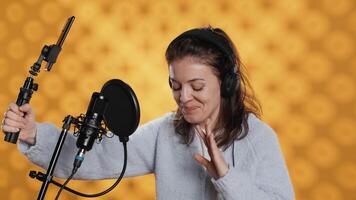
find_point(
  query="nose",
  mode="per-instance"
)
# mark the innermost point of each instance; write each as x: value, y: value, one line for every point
x: 185, y: 95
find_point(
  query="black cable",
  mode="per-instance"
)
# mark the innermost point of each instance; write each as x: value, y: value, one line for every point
x: 233, y: 153
x: 63, y: 186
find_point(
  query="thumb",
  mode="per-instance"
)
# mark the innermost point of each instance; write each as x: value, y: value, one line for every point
x: 206, y: 164
x: 26, y: 108
x: 201, y: 160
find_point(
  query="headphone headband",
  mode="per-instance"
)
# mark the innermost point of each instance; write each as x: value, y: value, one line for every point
x: 209, y: 35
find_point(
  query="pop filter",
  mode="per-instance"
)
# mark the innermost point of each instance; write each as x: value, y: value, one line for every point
x: 122, y: 115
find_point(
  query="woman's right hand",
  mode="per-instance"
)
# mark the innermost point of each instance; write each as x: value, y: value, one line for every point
x: 20, y: 119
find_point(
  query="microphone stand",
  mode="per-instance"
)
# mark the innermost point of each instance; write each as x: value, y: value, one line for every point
x: 30, y: 86
x: 48, y: 54
x: 89, y: 126
x: 68, y: 120
x: 47, y: 178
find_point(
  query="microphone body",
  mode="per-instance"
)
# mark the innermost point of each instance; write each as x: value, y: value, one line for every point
x: 91, y: 126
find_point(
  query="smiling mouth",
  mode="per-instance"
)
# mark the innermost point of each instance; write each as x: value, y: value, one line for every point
x: 188, y: 110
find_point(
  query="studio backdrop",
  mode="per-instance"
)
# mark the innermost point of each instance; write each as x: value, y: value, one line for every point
x: 300, y: 58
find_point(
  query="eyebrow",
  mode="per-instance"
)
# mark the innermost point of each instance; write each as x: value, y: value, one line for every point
x: 192, y: 80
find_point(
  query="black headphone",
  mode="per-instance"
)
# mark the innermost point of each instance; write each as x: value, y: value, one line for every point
x: 230, y: 80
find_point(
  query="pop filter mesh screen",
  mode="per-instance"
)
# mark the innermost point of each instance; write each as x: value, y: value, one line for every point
x: 123, y: 113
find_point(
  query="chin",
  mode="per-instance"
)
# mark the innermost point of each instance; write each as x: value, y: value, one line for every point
x: 193, y: 119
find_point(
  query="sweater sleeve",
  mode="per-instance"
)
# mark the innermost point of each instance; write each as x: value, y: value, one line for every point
x: 103, y: 161
x: 267, y: 177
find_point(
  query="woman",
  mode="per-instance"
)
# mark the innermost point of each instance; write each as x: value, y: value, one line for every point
x: 212, y: 147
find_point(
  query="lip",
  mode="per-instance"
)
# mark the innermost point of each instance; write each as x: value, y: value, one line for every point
x: 189, y: 109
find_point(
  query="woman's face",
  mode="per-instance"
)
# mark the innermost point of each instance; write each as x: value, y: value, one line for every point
x: 196, y: 89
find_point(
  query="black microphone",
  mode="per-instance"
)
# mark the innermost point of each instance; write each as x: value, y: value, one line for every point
x: 90, y: 128
x: 115, y: 109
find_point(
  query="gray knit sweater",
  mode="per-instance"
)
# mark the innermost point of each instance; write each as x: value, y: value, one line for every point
x: 256, y: 166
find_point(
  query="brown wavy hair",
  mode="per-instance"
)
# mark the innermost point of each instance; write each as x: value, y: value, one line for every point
x: 232, y: 121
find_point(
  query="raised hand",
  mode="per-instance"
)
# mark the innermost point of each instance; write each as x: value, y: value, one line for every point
x: 217, y: 166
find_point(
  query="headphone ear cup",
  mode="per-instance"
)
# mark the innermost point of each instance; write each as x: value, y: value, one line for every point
x: 229, y: 84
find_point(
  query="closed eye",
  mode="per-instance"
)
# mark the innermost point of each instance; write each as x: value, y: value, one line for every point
x: 195, y: 84
x: 198, y: 88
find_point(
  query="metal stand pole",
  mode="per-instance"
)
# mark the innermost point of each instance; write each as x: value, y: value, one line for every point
x: 48, y: 177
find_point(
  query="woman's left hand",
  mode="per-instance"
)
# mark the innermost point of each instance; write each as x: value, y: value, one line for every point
x: 216, y: 166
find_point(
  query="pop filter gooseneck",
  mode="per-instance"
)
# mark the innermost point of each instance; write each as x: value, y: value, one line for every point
x: 122, y: 115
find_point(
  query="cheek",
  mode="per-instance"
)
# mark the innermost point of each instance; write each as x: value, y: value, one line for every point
x: 209, y: 95
x: 204, y: 100
x: 210, y: 99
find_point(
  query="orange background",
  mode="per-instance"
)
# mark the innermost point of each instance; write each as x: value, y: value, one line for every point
x: 300, y: 56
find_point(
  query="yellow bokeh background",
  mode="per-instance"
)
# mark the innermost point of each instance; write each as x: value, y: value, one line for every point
x: 300, y: 57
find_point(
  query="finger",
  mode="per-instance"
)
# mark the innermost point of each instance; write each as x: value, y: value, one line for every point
x: 204, y: 138
x: 207, y: 127
x: 217, y: 157
x: 196, y: 128
x: 10, y: 129
x: 12, y: 123
x: 201, y: 130
x: 15, y: 108
x: 207, y: 164
x: 207, y: 131
x: 26, y: 108
x: 213, y: 148
x: 201, y: 135
x: 14, y: 116
x: 201, y: 160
